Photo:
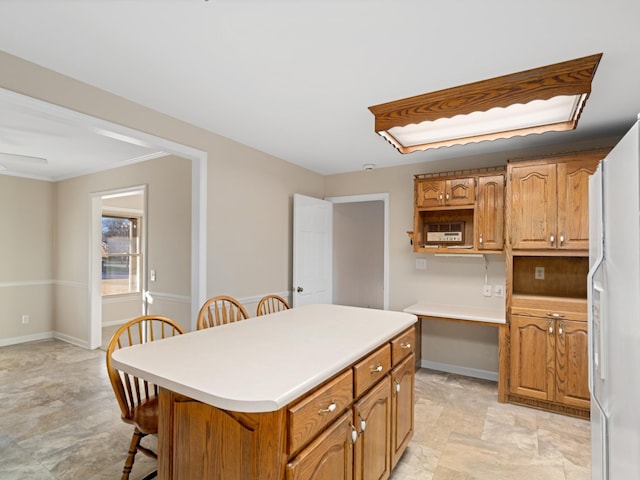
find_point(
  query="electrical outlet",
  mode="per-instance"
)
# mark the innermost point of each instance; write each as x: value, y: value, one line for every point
x: 498, y: 290
x: 421, y: 263
x: 25, y: 319
x: 487, y: 291
x: 539, y: 274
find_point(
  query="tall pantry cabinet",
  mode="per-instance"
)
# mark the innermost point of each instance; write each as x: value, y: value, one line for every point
x: 543, y: 353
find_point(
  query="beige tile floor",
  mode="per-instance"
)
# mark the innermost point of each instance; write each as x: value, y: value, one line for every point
x: 59, y: 420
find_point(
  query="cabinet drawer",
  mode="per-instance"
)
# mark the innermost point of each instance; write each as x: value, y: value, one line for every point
x: 314, y: 412
x: 371, y: 369
x: 403, y: 345
x: 549, y: 307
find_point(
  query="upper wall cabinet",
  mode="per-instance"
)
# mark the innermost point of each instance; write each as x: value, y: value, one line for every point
x: 459, y: 213
x: 548, y: 202
x: 445, y: 193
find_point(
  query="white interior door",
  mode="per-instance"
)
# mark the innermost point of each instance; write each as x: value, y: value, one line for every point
x: 312, y: 250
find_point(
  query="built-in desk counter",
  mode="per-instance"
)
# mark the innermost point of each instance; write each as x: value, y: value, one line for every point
x: 462, y: 313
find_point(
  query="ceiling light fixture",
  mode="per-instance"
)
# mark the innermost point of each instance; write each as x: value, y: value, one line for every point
x: 539, y: 100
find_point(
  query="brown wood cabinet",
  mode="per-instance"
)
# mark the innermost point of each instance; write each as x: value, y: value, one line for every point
x: 469, y: 204
x: 549, y: 347
x: 445, y: 192
x: 548, y: 202
x: 354, y: 426
x: 402, y: 421
x: 372, y: 418
x: 489, y: 214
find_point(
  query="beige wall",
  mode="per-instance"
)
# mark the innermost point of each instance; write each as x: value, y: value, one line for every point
x: 249, y: 201
x: 26, y: 256
x: 446, y: 280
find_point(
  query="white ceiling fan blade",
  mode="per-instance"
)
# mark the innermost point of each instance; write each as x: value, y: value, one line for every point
x: 13, y: 157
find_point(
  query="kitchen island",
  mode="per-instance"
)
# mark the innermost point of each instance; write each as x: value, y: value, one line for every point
x: 320, y: 391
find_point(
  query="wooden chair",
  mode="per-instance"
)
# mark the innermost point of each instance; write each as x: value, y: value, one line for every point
x: 270, y: 304
x: 220, y: 310
x: 137, y: 398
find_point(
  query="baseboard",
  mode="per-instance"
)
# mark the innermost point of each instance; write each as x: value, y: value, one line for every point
x: 4, y: 342
x: 78, y: 342
x: 457, y: 369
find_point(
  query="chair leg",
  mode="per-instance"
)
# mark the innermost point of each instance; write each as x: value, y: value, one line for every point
x: 133, y: 449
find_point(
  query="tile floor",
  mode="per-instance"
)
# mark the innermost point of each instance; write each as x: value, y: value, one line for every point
x: 60, y: 421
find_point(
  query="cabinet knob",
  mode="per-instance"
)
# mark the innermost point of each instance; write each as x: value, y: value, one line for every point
x: 552, y: 239
x: 551, y: 329
x: 331, y: 408
x: 447, y: 196
x: 354, y: 433
x: 363, y: 424
x: 405, y: 346
x: 561, y: 240
x: 560, y: 331
x: 376, y: 369
x: 480, y: 239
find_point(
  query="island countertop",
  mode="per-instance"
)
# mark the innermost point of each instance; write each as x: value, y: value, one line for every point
x: 263, y: 363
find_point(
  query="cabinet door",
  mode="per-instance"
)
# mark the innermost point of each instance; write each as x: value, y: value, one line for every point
x: 573, y: 203
x: 460, y: 191
x: 429, y: 192
x: 402, y: 399
x: 533, y: 212
x: 489, y: 220
x: 328, y: 457
x: 572, y: 363
x: 372, y: 415
x: 532, y: 357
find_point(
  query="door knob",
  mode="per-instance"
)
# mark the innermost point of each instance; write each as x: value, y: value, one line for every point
x: 299, y: 289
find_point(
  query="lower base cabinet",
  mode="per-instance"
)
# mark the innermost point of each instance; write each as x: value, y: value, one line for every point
x: 402, y: 411
x: 328, y: 457
x: 354, y: 427
x: 549, y: 360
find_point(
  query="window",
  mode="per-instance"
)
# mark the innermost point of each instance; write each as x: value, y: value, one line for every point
x: 121, y: 256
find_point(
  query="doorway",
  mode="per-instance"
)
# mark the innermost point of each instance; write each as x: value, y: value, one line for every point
x: 123, y: 256
x: 360, y: 250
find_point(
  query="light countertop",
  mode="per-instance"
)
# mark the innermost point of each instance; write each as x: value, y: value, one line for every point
x: 458, y: 312
x: 262, y: 364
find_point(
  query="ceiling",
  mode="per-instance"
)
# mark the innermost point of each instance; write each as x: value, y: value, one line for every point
x: 294, y: 78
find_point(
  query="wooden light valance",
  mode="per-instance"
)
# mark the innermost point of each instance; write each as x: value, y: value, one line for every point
x: 487, y: 104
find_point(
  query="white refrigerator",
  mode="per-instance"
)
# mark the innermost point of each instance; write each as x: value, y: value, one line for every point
x: 614, y: 312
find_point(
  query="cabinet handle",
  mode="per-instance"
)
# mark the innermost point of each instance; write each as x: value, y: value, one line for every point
x: 551, y: 329
x: 555, y: 315
x: 561, y: 240
x: 377, y: 369
x: 480, y: 239
x: 363, y: 424
x: 440, y: 196
x: 331, y: 408
x: 405, y: 346
x: 552, y: 239
x: 560, y: 331
x: 447, y: 196
x: 354, y: 433
x: 396, y: 388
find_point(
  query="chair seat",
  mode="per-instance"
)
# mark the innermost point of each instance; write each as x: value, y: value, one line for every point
x: 145, y: 416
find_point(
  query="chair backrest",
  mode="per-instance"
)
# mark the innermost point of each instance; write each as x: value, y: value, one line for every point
x: 130, y: 390
x: 271, y: 304
x: 220, y: 310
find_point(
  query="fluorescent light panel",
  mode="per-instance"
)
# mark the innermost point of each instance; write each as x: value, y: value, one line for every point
x: 539, y: 100
x: 515, y: 117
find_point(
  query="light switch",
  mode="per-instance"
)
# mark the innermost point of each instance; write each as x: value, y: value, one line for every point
x: 152, y: 274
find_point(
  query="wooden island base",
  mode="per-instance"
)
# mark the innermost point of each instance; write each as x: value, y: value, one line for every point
x: 355, y: 425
